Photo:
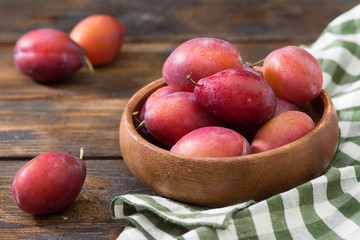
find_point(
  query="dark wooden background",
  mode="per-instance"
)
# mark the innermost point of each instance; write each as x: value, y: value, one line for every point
x: 85, y: 111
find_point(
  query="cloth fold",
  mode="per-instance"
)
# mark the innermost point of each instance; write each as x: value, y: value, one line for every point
x: 167, y: 216
x: 327, y: 207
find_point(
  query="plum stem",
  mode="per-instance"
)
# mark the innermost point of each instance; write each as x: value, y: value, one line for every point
x: 88, y: 64
x: 255, y: 63
x: 140, y: 125
x: 82, y: 151
x: 191, y: 80
x: 135, y: 115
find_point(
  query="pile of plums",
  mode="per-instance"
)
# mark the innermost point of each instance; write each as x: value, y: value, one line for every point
x: 215, y: 105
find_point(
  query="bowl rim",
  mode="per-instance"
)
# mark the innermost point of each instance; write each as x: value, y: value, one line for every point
x: 328, y: 108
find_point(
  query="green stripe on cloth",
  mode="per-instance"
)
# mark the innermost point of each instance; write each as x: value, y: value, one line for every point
x: 313, y: 223
x: 277, y: 215
x: 247, y: 230
x: 351, y: 115
x: 348, y: 28
x: 338, y: 74
x: 327, y: 207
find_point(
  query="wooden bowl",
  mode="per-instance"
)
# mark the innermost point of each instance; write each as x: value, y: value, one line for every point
x: 215, y: 182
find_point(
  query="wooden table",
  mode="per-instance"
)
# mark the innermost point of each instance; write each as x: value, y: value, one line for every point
x: 85, y: 111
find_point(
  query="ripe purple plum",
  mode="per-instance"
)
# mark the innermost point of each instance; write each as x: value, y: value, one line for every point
x: 48, y: 183
x: 283, y: 106
x: 282, y: 129
x: 161, y: 92
x: 199, y: 57
x: 48, y: 55
x: 237, y: 96
x: 175, y: 115
x: 294, y: 74
x: 212, y: 141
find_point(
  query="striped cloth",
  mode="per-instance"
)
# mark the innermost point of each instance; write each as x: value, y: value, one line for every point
x: 327, y: 207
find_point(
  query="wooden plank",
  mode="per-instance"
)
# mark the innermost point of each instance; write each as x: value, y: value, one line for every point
x: 29, y: 128
x: 69, y: 231
x: 179, y: 20
x: 88, y: 216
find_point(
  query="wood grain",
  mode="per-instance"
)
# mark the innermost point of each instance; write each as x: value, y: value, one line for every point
x: 145, y: 20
